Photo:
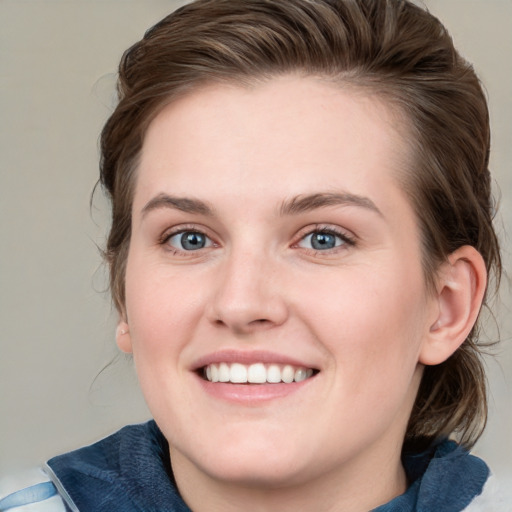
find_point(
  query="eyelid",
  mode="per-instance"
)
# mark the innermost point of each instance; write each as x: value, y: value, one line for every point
x: 180, y: 228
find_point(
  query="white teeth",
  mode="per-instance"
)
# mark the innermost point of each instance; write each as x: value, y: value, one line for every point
x: 257, y: 373
x: 223, y: 372
x: 288, y: 374
x: 238, y: 373
x: 273, y: 374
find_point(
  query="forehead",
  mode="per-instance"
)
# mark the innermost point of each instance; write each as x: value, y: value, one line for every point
x: 296, y: 133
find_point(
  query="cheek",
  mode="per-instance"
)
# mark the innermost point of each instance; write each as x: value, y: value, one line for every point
x: 369, y: 321
x: 158, y: 307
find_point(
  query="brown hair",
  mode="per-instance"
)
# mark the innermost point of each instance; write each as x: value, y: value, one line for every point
x: 396, y: 50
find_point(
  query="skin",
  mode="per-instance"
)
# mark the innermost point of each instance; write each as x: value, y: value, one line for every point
x: 359, y: 313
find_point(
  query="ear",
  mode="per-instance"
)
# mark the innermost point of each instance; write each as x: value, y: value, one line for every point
x: 123, y: 338
x: 461, y: 285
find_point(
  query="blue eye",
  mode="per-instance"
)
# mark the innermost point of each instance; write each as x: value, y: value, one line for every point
x: 322, y: 241
x: 189, y: 241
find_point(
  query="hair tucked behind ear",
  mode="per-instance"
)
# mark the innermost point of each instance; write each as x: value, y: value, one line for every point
x: 391, y: 48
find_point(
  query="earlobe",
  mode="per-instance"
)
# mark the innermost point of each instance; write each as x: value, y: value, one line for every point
x: 461, y: 287
x: 123, y: 338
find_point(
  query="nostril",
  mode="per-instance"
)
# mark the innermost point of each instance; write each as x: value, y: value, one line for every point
x: 260, y: 321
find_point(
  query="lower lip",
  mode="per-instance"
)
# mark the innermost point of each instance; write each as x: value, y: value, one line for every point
x: 251, y: 393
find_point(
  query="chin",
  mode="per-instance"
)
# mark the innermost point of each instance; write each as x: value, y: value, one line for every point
x: 254, y: 461
x: 248, y: 472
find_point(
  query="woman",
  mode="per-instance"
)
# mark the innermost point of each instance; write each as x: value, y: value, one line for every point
x: 301, y: 243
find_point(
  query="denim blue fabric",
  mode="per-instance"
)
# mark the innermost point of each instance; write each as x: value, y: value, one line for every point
x: 130, y: 471
x: 445, y: 478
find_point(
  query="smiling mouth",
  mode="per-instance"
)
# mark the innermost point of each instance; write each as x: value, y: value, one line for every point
x: 256, y: 373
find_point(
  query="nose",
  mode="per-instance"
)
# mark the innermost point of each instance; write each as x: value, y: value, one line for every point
x: 248, y: 296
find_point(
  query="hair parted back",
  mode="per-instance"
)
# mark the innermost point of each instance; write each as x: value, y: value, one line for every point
x: 393, y: 49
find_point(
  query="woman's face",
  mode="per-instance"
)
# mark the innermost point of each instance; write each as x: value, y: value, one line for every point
x: 272, y: 241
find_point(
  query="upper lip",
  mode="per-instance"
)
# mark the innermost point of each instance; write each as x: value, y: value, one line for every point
x: 247, y: 357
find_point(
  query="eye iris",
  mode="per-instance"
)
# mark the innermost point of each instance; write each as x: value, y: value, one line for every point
x: 192, y: 241
x: 322, y: 241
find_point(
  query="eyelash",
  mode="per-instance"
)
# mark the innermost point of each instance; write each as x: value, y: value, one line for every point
x: 347, y: 240
x: 166, y: 237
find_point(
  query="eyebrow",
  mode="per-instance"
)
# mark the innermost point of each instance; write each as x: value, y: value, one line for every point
x: 305, y: 203
x: 184, y: 204
x: 296, y: 205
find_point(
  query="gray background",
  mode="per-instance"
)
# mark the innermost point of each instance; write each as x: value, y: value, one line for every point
x: 57, y: 72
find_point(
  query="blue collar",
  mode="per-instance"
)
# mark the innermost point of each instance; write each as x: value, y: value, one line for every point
x: 444, y: 478
x: 131, y: 471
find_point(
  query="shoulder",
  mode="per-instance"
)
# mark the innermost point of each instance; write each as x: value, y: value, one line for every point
x: 29, y: 491
x: 129, y: 471
x: 69, y: 482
